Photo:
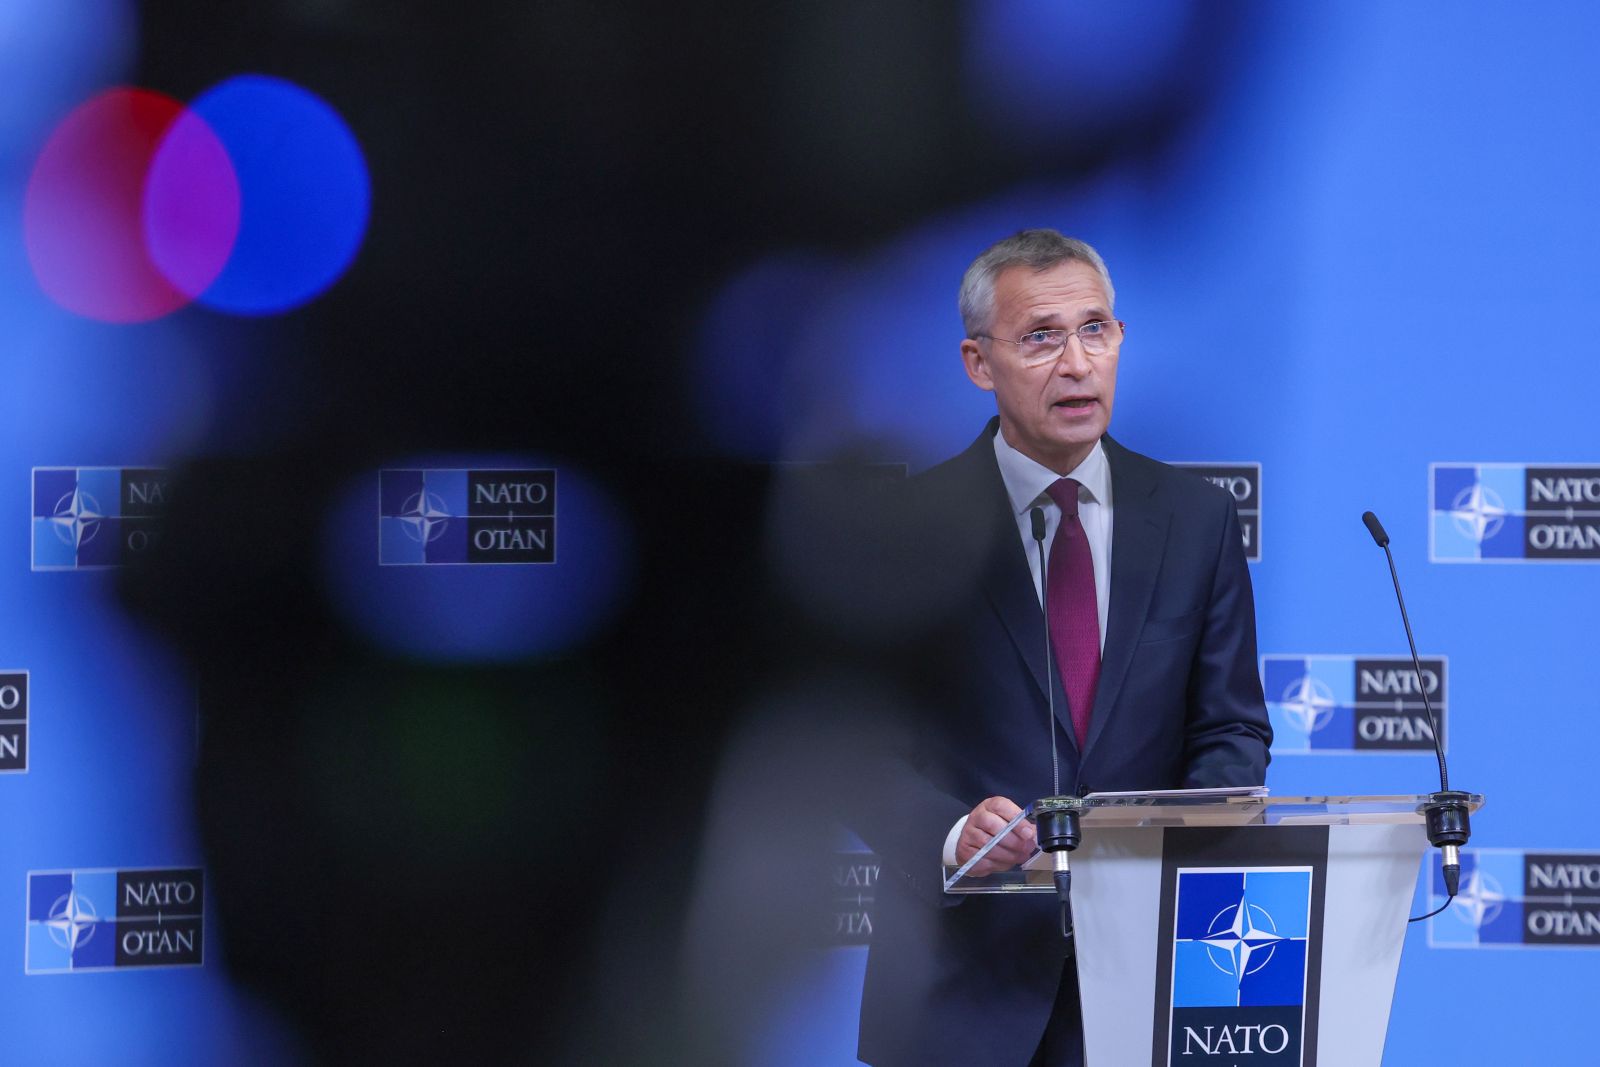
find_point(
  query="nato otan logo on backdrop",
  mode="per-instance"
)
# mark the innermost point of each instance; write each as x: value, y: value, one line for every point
x: 13, y: 722
x: 86, y: 517
x: 1239, y: 965
x: 1243, y: 482
x: 108, y: 919
x: 1511, y: 898
x: 451, y: 515
x: 1513, y: 513
x: 1353, y: 704
x: 855, y: 891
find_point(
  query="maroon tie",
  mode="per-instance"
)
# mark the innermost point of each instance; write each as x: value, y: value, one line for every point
x: 1074, y: 617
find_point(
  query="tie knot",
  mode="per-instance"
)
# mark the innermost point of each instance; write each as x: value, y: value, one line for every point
x: 1065, y: 493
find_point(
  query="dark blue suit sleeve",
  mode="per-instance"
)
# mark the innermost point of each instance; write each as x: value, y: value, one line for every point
x: 1227, y: 734
x: 904, y: 818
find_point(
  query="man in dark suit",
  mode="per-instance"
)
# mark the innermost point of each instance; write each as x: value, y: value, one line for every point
x: 1152, y: 629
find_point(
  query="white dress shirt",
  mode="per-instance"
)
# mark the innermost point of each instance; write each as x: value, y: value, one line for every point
x: 1026, y: 482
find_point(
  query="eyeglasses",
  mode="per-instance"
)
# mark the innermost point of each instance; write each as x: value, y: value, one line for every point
x: 1045, y: 346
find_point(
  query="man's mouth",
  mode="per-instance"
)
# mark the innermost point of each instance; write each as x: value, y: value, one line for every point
x: 1075, y: 402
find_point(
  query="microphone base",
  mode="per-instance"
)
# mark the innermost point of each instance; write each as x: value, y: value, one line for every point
x: 1448, y: 829
x: 1057, y: 829
x: 1447, y: 819
x: 1056, y: 824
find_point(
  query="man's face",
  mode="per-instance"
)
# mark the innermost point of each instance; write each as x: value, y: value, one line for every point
x: 1056, y: 411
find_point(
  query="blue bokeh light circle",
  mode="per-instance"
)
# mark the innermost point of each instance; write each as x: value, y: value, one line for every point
x: 750, y: 389
x: 1045, y: 68
x: 304, y: 189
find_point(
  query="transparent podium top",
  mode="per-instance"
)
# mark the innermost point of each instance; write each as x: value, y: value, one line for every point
x: 1196, y: 807
x: 1192, y: 807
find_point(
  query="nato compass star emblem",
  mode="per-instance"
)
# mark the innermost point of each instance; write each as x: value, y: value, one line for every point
x: 1478, y: 512
x: 77, y: 518
x: 1309, y: 703
x: 72, y: 921
x: 424, y: 517
x: 1480, y: 900
x: 1241, y: 940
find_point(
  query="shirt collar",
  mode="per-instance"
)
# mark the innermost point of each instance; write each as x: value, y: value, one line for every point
x: 1027, y: 479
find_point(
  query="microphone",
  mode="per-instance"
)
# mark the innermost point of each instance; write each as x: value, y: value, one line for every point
x: 1446, y: 810
x: 1057, y: 827
x: 1036, y: 516
x: 1375, y: 528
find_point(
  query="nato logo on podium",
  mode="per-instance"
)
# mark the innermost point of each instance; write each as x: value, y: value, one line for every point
x: 1239, y: 963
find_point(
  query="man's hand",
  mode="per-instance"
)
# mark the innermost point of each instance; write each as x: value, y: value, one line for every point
x: 985, y: 822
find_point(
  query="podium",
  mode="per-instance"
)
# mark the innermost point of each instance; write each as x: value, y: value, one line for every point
x: 1234, y: 930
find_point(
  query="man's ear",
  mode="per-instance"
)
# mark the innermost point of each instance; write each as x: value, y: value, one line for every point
x: 977, y: 365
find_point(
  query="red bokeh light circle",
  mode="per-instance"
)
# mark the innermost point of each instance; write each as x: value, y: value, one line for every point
x: 86, y: 219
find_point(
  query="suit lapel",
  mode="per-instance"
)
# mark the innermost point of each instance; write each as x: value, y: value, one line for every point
x: 1007, y: 581
x: 1138, y: 539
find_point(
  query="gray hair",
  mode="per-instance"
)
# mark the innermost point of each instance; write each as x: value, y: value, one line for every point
x: 1038, y: 250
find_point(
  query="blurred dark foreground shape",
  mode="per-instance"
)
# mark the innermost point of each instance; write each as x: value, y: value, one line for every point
x: 611, y: 851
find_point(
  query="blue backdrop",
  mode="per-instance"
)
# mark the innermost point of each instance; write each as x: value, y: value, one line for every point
x: 1371, y: 255
x: 1375, y: 255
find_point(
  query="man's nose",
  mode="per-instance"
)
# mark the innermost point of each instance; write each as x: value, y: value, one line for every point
x: 1073, y: 362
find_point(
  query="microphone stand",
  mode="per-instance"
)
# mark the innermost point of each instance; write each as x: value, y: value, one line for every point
x: 1056, y: 817
x: 1445, y: 812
